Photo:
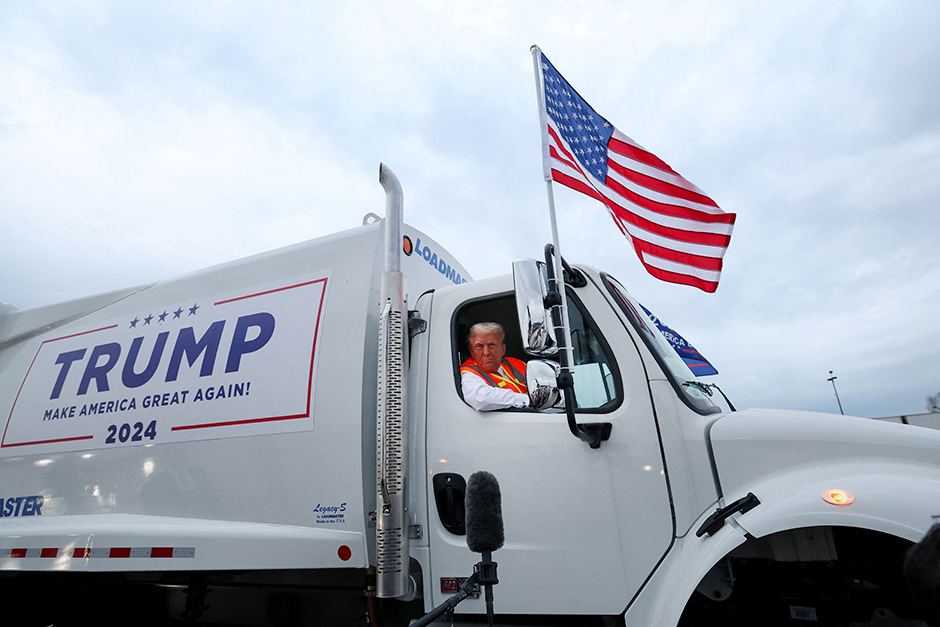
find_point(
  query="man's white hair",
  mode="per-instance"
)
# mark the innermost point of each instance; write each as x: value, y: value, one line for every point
x: 486, y: 327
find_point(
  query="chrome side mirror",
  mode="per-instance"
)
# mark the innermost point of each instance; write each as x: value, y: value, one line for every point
x: 541, y: 378
x: 530, y: 280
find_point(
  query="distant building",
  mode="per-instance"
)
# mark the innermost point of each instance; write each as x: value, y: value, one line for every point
x: 930, y: 420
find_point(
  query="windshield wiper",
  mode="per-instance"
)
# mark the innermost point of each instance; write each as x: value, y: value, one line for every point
x: 706, y: 388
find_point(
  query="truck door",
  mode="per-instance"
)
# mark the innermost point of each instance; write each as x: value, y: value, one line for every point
x: 584, y: 528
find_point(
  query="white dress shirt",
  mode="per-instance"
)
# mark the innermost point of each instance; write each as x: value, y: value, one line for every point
x: 483, y: 397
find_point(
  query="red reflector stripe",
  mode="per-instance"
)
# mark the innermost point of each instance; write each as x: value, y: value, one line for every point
x: 120, y: 552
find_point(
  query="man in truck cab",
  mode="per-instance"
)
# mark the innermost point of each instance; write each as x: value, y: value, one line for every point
x: 489, y: 379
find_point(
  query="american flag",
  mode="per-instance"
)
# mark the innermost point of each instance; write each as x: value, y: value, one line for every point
x: 678, y: 232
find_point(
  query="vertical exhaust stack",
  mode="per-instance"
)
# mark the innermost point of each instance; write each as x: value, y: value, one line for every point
x: 392, y: 554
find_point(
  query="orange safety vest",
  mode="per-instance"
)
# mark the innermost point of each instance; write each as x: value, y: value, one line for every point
x: 514, y: 378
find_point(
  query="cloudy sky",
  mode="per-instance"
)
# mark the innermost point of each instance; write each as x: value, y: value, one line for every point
x: 143, y: 140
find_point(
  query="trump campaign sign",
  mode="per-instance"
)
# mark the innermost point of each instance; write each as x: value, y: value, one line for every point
x: 222, y: 365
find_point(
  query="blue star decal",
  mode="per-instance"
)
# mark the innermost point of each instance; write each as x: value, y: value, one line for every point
x: 192, y: 310
x: 134, y: 323
x: 148, y: 319
x: 176, y: 314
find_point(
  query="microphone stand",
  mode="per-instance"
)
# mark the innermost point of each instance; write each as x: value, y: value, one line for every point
x: 484, y: 574
x: 486, y: 571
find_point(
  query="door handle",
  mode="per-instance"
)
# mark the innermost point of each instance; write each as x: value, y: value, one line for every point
x: 449, y: 490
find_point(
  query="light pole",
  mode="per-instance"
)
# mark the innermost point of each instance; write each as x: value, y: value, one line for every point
x: 833, y: 379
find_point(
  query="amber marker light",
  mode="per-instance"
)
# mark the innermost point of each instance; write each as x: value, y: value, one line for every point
x: 838, y: 497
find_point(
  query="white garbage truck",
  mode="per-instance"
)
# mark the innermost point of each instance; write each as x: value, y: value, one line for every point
x: 283, y: 440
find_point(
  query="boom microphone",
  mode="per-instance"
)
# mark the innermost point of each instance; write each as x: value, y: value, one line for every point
x: 484, y: 513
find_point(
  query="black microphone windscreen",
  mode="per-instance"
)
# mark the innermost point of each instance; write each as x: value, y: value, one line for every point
x: 484, y: 518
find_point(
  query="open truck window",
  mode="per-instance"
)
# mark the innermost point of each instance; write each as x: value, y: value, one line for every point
x: 597, y: 387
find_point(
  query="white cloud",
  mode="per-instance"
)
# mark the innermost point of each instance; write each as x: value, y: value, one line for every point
x: 138, y: 141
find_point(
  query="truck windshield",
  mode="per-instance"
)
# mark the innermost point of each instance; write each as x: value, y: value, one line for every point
x: 678, y: 373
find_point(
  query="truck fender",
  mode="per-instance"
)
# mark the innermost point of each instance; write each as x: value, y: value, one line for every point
x: 663, y: 597
x: 890, y: 497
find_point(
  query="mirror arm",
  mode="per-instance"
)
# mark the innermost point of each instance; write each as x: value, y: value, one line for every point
x: 573, y: 277
x: 566, y: 385
x: 594, y: 433
x: 553, y: 298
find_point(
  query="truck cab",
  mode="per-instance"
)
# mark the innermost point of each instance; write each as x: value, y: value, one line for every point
x: 675, y: 510
x: 563, y: 502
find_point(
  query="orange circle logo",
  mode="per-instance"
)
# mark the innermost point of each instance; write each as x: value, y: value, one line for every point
x: 406, y: 245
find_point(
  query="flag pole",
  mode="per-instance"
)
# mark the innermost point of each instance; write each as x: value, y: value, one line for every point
x: 546, y: 167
